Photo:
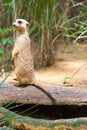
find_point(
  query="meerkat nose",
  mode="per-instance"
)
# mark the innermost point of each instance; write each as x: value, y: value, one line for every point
x: 14, y: 25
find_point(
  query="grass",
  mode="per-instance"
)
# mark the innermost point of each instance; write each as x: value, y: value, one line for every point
x: 1, y: 83
x: 44, y: 17
x: 48, y: 23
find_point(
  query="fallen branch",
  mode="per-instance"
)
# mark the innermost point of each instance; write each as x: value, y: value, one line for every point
x: 33, y: 95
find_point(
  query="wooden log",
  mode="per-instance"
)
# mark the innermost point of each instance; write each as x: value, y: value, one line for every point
x: 33, y: 95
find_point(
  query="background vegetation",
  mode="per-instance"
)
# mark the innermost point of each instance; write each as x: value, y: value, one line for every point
x: 53, y: 22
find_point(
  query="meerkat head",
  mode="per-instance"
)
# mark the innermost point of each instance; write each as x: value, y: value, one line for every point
x: 20, y: 25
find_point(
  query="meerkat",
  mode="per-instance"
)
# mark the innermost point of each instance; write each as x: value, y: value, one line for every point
x: 22, y: 58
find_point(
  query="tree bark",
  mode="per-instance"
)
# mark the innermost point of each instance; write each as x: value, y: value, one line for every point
x: 33, y: 95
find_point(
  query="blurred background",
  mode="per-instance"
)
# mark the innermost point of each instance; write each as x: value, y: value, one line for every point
x: 58, y: 30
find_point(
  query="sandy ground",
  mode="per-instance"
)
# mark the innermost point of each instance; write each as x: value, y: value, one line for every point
x: 74, y: 72
x: 72, y: 67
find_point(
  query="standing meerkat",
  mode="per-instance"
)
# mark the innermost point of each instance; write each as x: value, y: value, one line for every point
x: 21, y: 55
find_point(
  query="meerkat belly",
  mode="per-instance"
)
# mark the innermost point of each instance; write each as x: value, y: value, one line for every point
x: 25, y: 63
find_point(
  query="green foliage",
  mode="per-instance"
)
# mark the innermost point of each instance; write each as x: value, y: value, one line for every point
x: 5, y: 43
x: 5, y: 31
x: 78, y: 28
x: 1, y: 52
x: 49, y: 21
x: 8, y: 40
x: 42, y: 15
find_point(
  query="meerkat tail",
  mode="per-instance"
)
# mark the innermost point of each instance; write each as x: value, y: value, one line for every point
x: 40, y: 86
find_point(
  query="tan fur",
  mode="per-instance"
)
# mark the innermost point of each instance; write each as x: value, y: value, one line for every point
x: 21, y: 55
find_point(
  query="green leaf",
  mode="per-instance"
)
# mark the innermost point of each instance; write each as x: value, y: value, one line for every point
x: 1, y: 52
x: 5, y: 31
x: 8, y: 40
x: 4, y: 41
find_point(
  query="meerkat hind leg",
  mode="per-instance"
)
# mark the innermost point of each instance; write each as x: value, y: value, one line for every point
x: 21, y: 80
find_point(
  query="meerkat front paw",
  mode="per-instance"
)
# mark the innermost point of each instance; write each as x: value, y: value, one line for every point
x: 17, y: 84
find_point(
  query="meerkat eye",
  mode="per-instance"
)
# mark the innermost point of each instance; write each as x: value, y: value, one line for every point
x: 27, y: 24
x: 20, y: 22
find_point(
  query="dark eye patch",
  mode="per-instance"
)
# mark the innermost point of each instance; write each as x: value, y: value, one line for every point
x: 20, y: 22
x: 27, y: 24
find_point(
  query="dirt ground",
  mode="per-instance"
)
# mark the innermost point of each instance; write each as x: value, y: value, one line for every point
x: 74, y: 72
x: 71, y: 67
